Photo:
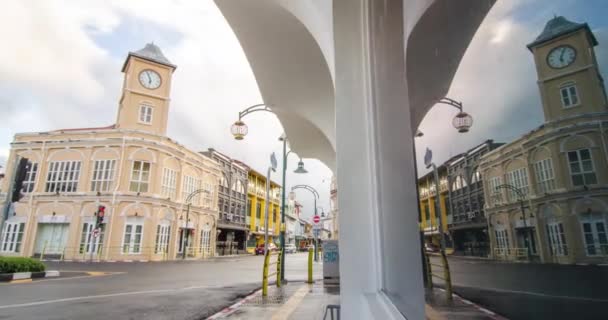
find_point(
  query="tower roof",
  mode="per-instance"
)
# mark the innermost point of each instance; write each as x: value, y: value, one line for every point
x: 150, y: 52
x: 559, y: 26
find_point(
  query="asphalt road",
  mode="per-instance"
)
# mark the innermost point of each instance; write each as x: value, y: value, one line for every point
x: 168, y: 290
x: 532, y: 291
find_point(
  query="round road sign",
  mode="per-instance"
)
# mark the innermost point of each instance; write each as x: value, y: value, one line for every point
x: 316, y: 219
x: 96, y: 233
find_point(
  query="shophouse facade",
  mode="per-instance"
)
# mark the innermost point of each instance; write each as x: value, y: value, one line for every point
x: 256, y: 201
x: 430, y: 211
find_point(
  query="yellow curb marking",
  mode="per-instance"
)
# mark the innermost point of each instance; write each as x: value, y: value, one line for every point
x: 288, y: 308
x: 20, y: 281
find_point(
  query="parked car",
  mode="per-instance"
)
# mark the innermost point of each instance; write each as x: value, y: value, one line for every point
x: 290, y: 248
x: 260, y: 248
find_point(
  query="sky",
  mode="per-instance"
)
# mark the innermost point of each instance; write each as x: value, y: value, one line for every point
x: 61, y: 60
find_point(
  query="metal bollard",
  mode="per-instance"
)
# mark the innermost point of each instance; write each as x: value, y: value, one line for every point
x: 265, y: 274
x: 310, y: 256
x: 447, y: 277
x: 279, y: 261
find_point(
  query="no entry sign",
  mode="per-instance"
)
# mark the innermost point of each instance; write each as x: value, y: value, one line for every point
x: 316, y: 219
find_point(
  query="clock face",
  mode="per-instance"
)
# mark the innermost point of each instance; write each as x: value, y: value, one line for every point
x: 561, y: 57
x: 149, y: 79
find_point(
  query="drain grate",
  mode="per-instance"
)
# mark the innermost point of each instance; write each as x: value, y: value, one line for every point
x: 263, y: 301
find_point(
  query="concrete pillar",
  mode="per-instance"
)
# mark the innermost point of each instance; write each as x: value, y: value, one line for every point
x: 380, y: 268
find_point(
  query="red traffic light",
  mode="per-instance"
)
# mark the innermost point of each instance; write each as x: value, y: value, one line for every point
x: 101, y: 211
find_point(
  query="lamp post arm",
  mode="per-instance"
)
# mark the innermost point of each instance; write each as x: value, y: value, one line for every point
x: 254, y: 108
x: 307, y: 187
x: 451, y: 102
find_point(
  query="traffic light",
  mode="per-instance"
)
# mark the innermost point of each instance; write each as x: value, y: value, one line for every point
x: 101, y: 212
x: 22, y: 168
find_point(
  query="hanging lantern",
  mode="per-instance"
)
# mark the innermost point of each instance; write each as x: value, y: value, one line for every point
x: 300, y: 168
x: 462, y: 122
x: 239, y: 130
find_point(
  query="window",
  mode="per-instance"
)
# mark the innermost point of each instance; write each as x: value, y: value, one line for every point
x: 495, y: 192
x: 502, y: 241
x: 544, y: 175
x: 557, y: 239
x: 258, y: 210
x: 569, y: 96
x: 169, y: 183
x: 208, y: 196
x: 518, y: 178
x: 140, y: 176
x: 163, y: 232
x: 205, y: 244
x: 12, y: 234
x: 594, y: 234
x: 103, y: 175
x: 131, y: 242
x: 30, y: 177
x: 191, y: 184
x: 274, y: 214
x: 145, y: 114
x: 476, y: 177
x: 581, y: 167
x: 63, y: 176
x: 88, y: 242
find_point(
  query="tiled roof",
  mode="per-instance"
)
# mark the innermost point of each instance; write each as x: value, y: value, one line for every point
x: 559, y: 26
x: 150, y: 52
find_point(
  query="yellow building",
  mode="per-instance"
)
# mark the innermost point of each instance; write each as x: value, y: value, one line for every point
x: 427, y: 192
x: 256, y: 201
x: 139, y: 175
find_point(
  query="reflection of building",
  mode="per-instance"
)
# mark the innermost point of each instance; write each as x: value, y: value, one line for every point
x: 333, y: 208
x: 292, y: 215
x: 428, y: 211
x: 232, y: 227
x: 141, y: 177
x: 256, y: 199
x: 560, y: 167
x: 468, y: 226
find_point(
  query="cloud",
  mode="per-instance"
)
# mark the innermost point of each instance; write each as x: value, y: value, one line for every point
x: 63, y: 70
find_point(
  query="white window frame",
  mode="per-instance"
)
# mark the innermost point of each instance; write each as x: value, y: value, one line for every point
x: 137, y: 179
x: 518, y: 178
x: 502, y: 239
x: 145, y: 114
x: 130, y: 245
x: 189, y: 185
x: 11, y: 238
x: 169, y: 183
x: 205, y: 243
x: 557, y: 238
x: 163, y: 234
x: 593, y: 219
x: 494, y: 191
x: 579, y: 162
x: 30, y: 178
x: 63, y: 176
x: 572, y: 97
x: 103, y: 175
x: 88, y: 243
x: 545, y: 177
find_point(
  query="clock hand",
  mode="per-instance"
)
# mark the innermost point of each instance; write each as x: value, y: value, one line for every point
x: 149, y: 79
x: 561, y: 56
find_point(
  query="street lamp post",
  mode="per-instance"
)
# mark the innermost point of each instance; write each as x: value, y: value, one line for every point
x: 521, y: 196
x: 239, y: 130
x: 315, y: 197
x: 187, y: 233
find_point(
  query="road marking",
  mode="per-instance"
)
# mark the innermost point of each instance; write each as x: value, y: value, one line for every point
x: 290, y: 306
x: 118, y: 294
x: 533, y: 293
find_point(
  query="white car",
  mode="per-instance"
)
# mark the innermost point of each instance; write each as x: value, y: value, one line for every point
x: 290, y: 248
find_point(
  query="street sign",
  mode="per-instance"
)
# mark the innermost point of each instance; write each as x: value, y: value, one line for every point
x: 95, y: 233
x: 316, y: 219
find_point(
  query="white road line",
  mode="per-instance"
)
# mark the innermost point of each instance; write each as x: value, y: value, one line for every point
x: 533, y: 293
x: 37, y: 303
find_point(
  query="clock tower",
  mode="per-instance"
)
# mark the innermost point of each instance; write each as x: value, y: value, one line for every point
x: 146, y: 91
x: 568, y: 74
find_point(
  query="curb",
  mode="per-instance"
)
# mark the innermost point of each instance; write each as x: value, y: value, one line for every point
x: 233, y: 307
x: 8, y: 277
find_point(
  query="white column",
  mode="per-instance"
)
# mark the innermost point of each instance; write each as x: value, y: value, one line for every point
x: 380, y: 267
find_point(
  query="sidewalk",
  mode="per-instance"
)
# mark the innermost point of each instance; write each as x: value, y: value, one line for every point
x: 299, y: 300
